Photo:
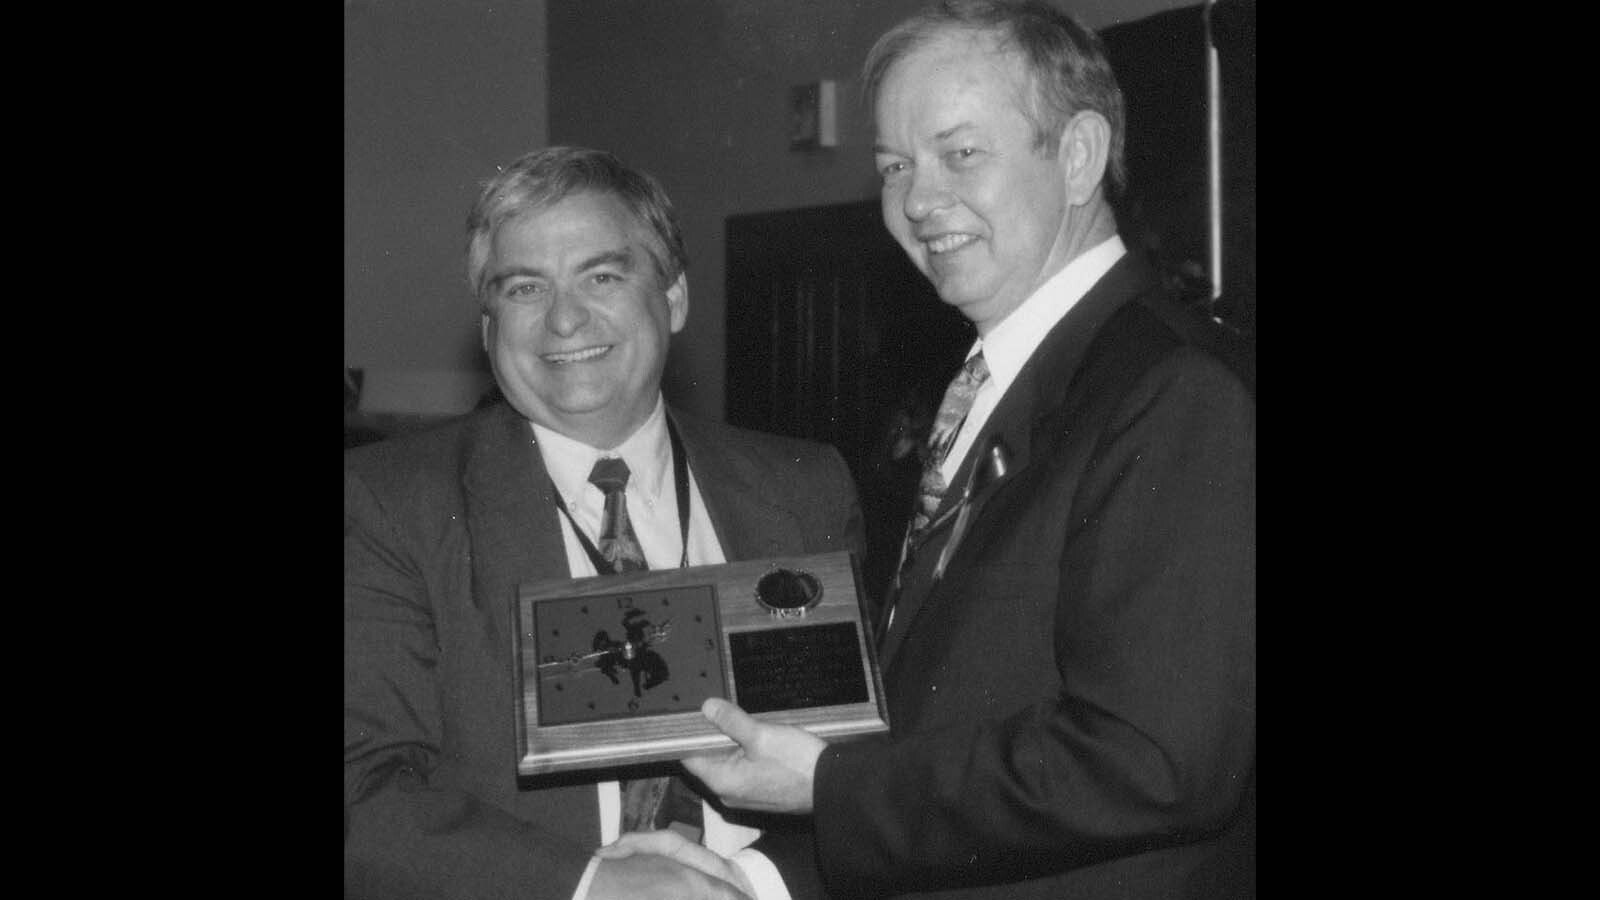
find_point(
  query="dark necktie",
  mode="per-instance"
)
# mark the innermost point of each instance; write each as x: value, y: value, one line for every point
x: 618, y: 545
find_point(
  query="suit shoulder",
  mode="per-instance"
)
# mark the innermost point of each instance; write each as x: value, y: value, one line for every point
x: 404, y: 458
x: 1156, y: 332
x: 1191, y: 326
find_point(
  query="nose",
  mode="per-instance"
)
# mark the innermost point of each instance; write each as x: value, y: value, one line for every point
x: 926, y: 194
x: 566, y: 314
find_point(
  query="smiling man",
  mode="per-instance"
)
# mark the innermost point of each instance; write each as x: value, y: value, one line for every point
x: 575, y: 320
x: 579, y: 267
x: 984, y: 207
x: 1069, y: 655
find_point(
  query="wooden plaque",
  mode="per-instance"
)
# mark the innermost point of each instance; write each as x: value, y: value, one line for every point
x: 612, y: 669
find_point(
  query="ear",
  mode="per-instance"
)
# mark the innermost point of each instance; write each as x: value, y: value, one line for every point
x: 484, y: 324
x: 678, y: 302
x: 1084, y: 151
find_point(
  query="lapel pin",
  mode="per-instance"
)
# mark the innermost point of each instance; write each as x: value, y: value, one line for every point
x: 986, y: 470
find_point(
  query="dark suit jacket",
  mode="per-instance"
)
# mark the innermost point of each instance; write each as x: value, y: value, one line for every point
x: 1073, y: 704
x: 439, y: 530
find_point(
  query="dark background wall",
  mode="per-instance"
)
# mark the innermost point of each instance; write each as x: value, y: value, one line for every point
x: 696, y: 91
x: 439, y: 92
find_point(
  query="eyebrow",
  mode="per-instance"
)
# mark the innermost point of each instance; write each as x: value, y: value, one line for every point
x: 622, y: 258
x: 940, y: 136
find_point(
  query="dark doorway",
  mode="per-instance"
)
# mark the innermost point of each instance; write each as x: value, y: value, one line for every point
x: 1160, y: 62
x: 834, y: 336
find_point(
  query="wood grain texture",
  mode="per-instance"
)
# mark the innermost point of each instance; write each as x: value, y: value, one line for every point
x: 627, y: 741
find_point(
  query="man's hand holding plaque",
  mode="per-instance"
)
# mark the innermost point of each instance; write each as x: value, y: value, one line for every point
x: 770, y: 771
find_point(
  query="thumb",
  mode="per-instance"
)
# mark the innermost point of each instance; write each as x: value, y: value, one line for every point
x: 730, y: 720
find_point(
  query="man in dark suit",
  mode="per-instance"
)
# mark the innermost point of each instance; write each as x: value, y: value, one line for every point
x: 1069, y: 657
x: 579, y: 266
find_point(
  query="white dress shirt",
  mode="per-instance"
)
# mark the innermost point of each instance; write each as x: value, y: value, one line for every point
x: 1008, y: 345
x: 653, y: 512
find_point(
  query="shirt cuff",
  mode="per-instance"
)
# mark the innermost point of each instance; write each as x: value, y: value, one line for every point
x: 722, y: 837
x: 588, y: 876
x: 761, y: 873
x: 610, y: 799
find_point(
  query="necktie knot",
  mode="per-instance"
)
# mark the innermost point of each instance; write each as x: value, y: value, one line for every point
x: 618, y: 544
x: 976, y: 368
x: 609, y: 475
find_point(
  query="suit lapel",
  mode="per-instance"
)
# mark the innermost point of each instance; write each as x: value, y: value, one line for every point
x: 511, y: 513
x: 1022, y: 422
x: 748, y: 524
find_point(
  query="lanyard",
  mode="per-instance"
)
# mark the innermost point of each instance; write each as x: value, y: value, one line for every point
x: 680, y: 479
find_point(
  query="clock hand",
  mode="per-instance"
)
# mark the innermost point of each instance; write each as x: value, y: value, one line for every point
x: 572, y: 662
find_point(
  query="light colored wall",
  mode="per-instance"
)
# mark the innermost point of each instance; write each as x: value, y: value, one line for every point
x: 696, y: 92
x: 437, y: 93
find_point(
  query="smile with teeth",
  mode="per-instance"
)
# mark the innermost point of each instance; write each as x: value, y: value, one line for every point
x: 561, y: 359
x: 948, y: 242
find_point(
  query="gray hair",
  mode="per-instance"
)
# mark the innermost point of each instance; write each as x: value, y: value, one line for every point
x: 1065, y: 60
x: 544, y: 177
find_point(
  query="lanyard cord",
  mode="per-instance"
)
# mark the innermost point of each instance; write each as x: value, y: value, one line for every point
x: 680, y: 479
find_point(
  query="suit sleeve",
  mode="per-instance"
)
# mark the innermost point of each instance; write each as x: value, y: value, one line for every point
x: 410, y: 830
x: 1151, y: 737
x: 789, y: 842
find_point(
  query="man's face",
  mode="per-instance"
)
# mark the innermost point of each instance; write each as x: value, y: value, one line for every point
x: 576, y: 323
x: 980, y: 212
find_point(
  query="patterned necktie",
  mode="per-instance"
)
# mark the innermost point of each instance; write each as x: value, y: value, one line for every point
x: 618, y: 544
x: 952, y: 412
x: 642, y: 798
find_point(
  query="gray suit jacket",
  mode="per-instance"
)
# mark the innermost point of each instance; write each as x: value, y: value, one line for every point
x: 440, y: 528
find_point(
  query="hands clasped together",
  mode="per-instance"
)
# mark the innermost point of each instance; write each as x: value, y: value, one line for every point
x: 770, y: 770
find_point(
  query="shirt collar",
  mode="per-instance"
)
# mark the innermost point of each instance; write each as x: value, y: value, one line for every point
x: 648, y: 453
x: 1009, y: 344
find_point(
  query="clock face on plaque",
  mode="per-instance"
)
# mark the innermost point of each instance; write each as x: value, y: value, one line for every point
x: 627, y: 655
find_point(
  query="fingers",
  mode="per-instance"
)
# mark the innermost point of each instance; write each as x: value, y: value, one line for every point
x: 771, y: 771
x: 731, y: 720
x: 706, y: 768
x: 672, y: 845
x: 647, y: 875
x: 736, y: 724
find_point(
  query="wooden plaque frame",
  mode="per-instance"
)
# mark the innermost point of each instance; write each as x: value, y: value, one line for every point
x: 611, y: 670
